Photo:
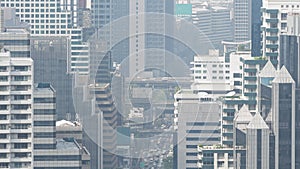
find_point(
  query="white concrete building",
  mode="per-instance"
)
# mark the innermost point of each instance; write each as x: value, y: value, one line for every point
x: 274, y: 17
x: 211, y: 72
x: 16, y: 115
x: 197, y: 122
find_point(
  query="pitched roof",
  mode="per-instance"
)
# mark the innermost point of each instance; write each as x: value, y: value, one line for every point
x: 268, y: 70
x: 257, y: 122
x: 269, y: 117
x: 243, y: 115
x: 283, y: 76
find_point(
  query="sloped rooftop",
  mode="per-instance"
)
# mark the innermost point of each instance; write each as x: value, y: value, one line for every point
x: 257, y: 122
x: 268, y: 70
x: 243, y: 115
x: 283, y: 76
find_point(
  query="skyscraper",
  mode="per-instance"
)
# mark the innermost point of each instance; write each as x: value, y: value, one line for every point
x: 147, y: 31
x: 50, y: 152
x: 247, y: 23
x: 196, y: 123
x: 14, y: 35
x: 50, y: 58
x: 257, y: 143
x: 16, y: 144
x: 283, y: 107
x: 46, y: 17
x: 274, y: 23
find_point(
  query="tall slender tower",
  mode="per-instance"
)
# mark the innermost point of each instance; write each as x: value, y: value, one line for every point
x: 283, y: 106
x: 257, y: 143
x: 16, y: 117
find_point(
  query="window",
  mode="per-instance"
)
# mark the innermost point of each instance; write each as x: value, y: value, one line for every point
x: 21, y: 145
x: 44, y: 123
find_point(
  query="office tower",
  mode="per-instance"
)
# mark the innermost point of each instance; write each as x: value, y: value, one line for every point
x: 242, y: 20
x: 289, y: 55
x: 136, y: 45
x: 50, y: 17
x: 14, y: 35
x: 147, y: 30
x: 50, y: 152
x: 211, y: 72
x: 54, y: 18
x: 101, y: 12
x: 214, y: 22
x: 258, y: 143
x: 290, y: 48
x: 247, y: 23
x: 16, y: 111
x: 241, y: 120
x: 274, y: 18
x: 255, y: 27
x: 108, y: 113
x: 100, y: 66
x: 283, y: 107
x: 50, y: 59
x: 196, y: 121
x: 73, y: 130
x: 84, y: 18
x: 218, y: 157
x: 266, y: 76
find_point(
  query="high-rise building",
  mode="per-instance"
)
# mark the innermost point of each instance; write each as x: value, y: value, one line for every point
x: 242, y: 20
x: 283, y: 107
x: 214, y: 22
x: 258, y: 134
x: 274, y: 22
x: 49, y: 18
x: 196, y: 123
x: 14, y: 35
x: 147, y: 30
x: 101, y: 12
x: 211, y: 72
x: 289, y: 55
x: 16, y: 111
x: 50, y: 56
x: 247, y: 23
x: 49, y: 151
x: 104, y: 101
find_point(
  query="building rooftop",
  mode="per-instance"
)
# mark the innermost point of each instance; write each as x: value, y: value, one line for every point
x: 44, y: 87
x: 270, y: 116
x: 283, y: 76
x: 62, y: 123
x: 20, y: 31
x: 257, y: 123
x: 243, y: 115
x: 66, y: 144
x: 268, y: 70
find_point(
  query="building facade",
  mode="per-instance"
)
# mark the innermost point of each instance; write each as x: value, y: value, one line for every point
x: 196, y: 123
x: 16, y: 111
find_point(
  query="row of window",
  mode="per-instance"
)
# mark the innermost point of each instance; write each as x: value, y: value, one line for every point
x: 205, y: 65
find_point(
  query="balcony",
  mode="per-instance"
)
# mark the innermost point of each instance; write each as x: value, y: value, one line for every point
x: 229, y: 118
x: 250, y: 86
x: 272, y: 54
x: 227, y: 110
x: 250, y: 78
x: 27, y: 82
x: 272, y: 46
x: 272, y: 38
x: 250, y: 94
x: 251, y: 70
x: 272, y: 30
x: 272, y: 11
x: 272, y: 20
